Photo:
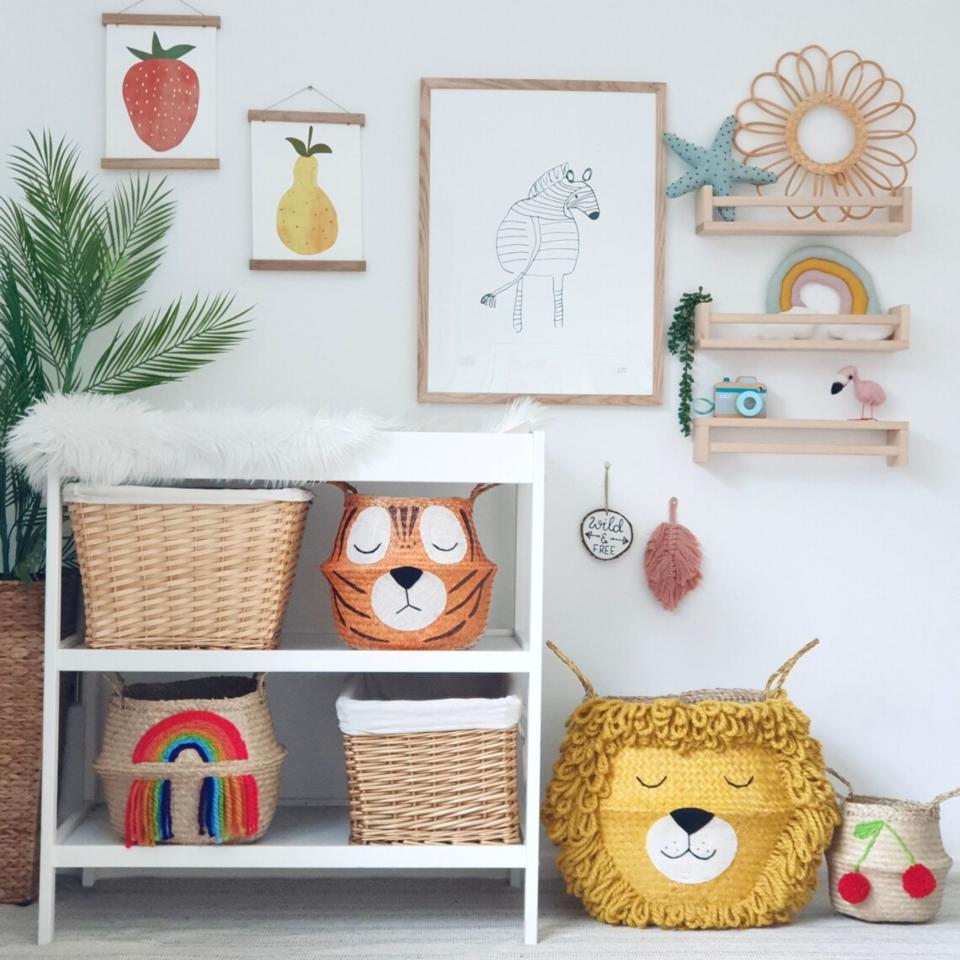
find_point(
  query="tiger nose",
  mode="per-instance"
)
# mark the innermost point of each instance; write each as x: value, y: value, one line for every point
x: 691, y: 819
x: 406, y: 576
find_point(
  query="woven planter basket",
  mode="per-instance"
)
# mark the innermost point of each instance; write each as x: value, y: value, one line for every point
x: 443, y: 786
x: 21, y: 723
x: 190, y: 762
x: 887, y: 862
x: 409, y: 572
x: 702, y: 809
x: 212, y: 572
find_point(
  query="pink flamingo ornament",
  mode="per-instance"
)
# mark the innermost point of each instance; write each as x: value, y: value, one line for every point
x: 869, y: 394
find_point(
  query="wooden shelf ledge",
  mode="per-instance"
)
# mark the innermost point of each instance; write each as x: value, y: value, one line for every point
x: 898, y: 317
x: 898, y: 220
x: 894, y: 436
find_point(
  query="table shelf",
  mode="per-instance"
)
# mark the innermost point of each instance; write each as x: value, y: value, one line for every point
x: 496, y: 651
x: 300, y: 837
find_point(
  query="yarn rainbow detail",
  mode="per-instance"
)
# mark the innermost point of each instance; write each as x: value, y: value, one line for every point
x: 228, y: 806
x: 827, y: 267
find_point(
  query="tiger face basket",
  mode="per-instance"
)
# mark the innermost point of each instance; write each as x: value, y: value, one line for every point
x: 185, y: 568
x: 703, y: 809
x: 887, y: 862
x: 409, y: 572
x: 190, y: 762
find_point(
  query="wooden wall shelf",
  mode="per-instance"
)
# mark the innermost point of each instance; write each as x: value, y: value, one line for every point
x: 898, y: 220
x: 894, y: 435
x: 898, y: 317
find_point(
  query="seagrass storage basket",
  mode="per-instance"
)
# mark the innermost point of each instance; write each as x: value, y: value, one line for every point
x: 431, y: 759
x: 175, y: 567
x: 190, y: 762
x: 409, y: 573
x: 887, y: 862
x: 701, y: 809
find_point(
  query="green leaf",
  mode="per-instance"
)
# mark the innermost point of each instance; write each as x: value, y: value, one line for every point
x: 867, y: 829
x: 155, y: 48
x: 157, y: 51
x: 175, y: 53
x: 169, y: 344
x: 140, y: 54
x: 298, y: 145
x: 318, y: 148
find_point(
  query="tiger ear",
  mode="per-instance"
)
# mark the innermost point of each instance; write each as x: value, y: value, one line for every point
x: 480, y: 488
x: 345, y: 488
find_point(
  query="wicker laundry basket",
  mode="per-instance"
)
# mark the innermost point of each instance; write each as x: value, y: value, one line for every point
x: 176, y: 567
x: 409, y: 573
x: 701, y: 809
x: 887, y: 862
x: 423, y: 767
x: 190, y: 762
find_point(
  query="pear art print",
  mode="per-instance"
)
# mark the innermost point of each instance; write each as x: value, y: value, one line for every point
x: 307, y: 191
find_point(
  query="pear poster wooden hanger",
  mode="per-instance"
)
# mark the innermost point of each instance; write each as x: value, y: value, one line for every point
x: 307, y: 181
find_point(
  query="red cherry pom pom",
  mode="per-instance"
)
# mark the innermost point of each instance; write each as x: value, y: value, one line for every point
x: 854, y: 887
x: 918, y: 881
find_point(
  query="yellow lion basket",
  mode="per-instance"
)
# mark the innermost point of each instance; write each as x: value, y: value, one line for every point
x: 708, y: 809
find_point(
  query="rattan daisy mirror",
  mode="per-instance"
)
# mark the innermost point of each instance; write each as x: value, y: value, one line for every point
x: 873, y: 161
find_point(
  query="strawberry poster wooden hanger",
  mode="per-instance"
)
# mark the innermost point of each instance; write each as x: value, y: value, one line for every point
x: 607, y: 534
x: 161, y: 89
x: 307, y: 186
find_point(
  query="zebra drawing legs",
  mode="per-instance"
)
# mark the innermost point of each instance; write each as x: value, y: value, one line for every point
x: 518, y: 308
x: 558, y: 300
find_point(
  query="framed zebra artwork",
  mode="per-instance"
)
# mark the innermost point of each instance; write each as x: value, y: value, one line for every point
x: 541, y: 241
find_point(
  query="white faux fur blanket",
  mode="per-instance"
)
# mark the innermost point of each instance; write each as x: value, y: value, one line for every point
x: 112, y: 440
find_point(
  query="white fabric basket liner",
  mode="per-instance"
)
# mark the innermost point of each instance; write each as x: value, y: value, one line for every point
x: 86, y: 493
x: 410, y: 703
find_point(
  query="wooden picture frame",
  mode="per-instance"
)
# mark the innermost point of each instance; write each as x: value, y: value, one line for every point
x: 131, y: 142
x: 265, y: 228
x: 427, y: 388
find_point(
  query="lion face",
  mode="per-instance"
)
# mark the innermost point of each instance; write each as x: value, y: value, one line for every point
x: 707, y: 820
x: 408, y: 573
x: 690, y: 811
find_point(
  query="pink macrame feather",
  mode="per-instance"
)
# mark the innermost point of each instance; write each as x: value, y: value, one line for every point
x: 672, y: 560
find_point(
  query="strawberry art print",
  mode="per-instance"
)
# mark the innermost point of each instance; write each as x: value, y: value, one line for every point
x: 161, y: 93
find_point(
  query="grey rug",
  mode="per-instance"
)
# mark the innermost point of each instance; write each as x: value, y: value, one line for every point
x: 406, y: 918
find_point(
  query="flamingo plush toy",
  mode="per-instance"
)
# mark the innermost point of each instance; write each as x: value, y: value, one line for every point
x: 869, y: 394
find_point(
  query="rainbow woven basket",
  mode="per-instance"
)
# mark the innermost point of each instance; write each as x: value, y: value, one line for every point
x: 190, y: 762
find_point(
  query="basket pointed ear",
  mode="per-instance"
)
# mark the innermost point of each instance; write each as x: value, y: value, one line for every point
x: 480, y: 488
x: 345, y: 488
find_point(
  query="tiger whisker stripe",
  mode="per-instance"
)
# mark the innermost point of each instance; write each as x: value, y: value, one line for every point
x: 477, y: 588
x: 468, y: 528
x: 352, y: 609
x: 366, y: 636
x: 342, y: 532
x: 460, y: 583
x: 349, y: 583
x: 449, y: 633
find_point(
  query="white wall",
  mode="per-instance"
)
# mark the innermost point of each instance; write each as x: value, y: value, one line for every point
x: 862, y: 555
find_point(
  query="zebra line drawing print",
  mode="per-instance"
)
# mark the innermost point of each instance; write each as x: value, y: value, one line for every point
x: 539, y: 236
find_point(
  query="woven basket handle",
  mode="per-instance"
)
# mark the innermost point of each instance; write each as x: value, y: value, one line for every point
x: 481, y: 488
x: 589, y: 692
x: 119, y: 686
x: 779, y: 676
x: 345, y: 488
x: 942, y: 797
x: 839, y: 776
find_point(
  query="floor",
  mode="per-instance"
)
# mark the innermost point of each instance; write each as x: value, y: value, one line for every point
x: 403, y: 919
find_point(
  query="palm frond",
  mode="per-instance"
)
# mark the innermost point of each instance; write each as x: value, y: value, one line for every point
x: 168, y: 345
x: 135, y: 224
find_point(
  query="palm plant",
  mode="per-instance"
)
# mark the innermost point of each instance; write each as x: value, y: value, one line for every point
x: 70, y: 265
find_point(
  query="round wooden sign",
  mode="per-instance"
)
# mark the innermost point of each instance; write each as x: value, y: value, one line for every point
x: 607, y: 534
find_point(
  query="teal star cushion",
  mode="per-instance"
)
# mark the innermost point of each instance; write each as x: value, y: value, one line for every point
x: 715, y: 166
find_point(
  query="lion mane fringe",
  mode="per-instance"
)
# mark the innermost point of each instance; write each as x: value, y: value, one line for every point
x: 601, y: 727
